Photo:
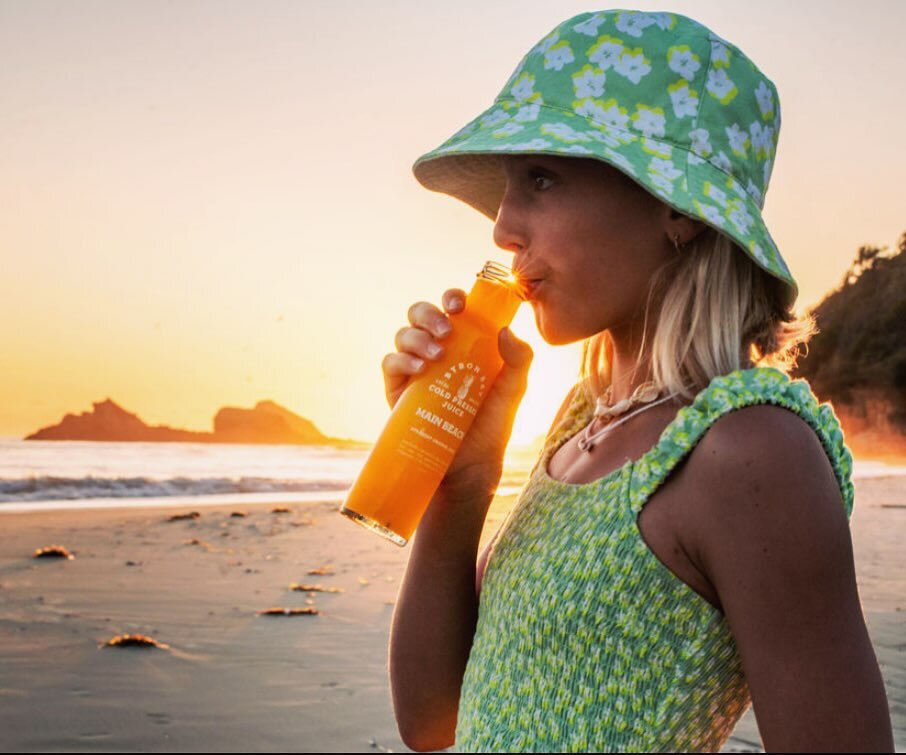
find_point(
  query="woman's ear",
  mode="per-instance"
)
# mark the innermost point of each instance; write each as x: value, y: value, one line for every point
x: 683, y: 227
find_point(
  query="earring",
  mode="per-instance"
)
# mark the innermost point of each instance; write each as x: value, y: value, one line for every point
x: 676, y: 244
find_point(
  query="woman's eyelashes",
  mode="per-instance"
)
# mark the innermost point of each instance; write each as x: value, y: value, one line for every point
x: 540, y: 179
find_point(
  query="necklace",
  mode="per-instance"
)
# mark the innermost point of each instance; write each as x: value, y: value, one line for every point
x: 644, y: 394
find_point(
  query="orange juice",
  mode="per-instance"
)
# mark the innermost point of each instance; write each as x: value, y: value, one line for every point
x: 434, y: 413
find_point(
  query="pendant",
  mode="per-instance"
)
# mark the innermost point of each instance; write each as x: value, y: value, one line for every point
x: 586, y: 443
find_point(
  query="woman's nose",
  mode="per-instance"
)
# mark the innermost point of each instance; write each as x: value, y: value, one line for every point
x: 509, y: 228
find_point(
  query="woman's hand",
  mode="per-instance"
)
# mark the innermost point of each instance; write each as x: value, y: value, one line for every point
x: 478, y: 463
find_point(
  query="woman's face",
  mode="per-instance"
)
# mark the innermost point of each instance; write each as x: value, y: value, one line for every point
x: 590, y: 238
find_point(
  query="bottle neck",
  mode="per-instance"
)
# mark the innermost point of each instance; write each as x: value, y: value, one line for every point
x: 494, y: 299
x: 496, y: 272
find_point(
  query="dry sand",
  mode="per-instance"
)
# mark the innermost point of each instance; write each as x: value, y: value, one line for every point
x: 237, y: 681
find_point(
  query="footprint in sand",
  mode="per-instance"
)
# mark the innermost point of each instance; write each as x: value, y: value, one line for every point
x: 94, y: 735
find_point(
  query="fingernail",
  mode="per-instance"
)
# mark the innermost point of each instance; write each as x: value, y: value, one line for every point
x: 442, y: 327
x: 433, y: 349
x: 418, y: 363
x: 455, y: 303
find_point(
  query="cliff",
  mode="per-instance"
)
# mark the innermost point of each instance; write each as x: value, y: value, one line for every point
x: 267, y: 422
x: 858, y: 359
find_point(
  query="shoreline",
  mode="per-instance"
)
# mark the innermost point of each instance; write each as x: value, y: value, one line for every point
x: 864, y: 469
x: 138, y: 503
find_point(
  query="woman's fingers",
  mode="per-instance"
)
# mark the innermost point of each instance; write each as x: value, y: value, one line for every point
x: 419, y: 344
x: 398, y: 369
x: 454, y: 300
x: 428, y: 317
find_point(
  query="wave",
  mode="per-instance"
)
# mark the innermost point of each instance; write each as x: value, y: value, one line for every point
x: 68, y: 488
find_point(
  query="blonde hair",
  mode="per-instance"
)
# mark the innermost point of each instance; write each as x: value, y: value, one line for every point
x: 716, y: 304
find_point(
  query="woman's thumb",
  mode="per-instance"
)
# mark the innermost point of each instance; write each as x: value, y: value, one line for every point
x: 516, y: 354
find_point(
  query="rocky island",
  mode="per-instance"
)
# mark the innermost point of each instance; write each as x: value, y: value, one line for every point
x: 267, y: 422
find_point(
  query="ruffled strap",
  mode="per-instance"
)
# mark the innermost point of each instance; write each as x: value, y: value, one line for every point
x: 575, y: 408
x: 726, y: 393
x: 578, y: 413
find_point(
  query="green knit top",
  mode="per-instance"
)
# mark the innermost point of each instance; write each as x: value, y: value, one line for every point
x: 585, y: 641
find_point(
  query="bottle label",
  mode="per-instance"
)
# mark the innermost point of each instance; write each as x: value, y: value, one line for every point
x: 444, y: 414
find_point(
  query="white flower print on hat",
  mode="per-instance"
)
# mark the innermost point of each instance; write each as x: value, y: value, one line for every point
x: 659, y: 96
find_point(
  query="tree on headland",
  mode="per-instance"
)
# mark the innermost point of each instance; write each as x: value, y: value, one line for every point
x: 859, y: 354
x: 865, y: 259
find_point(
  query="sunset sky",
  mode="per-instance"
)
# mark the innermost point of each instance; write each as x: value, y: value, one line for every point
x: 211, y: 203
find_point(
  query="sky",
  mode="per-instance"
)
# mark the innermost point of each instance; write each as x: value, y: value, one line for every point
x: 211, y: 203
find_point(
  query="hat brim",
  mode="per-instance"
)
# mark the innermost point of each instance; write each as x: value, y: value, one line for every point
x: 690, y: 183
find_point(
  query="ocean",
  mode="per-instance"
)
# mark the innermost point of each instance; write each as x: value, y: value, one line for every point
x: 86, y: 474
x: 89, y: 474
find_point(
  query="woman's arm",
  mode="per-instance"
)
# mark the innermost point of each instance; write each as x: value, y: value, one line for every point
x: 434, y: 620
x: 771, y: 534
x: 436, y: 613
x: 436, y: 610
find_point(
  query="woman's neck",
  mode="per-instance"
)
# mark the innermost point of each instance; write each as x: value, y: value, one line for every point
x: 627, y: 370
x: 624, y: 383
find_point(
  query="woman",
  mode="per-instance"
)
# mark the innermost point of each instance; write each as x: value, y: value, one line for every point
x: 682, y: 546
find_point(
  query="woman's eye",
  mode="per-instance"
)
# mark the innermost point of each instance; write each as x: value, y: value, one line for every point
x: 541, y: 181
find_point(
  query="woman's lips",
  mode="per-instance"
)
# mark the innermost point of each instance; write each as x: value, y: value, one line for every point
x: 530, y: 287
x: 528, y: 279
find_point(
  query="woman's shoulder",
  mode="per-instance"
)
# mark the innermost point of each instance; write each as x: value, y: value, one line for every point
x: 762, y: 420
x: 762, y: 473
x: 758, y: 415
x: 762, y: 431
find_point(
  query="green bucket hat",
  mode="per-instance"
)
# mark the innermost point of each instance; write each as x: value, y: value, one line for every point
x: 658, y: 96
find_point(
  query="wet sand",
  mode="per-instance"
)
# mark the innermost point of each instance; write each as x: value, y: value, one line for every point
x: 233, y: 680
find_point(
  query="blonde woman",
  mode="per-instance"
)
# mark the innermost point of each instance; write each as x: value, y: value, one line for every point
x: 681, y: 549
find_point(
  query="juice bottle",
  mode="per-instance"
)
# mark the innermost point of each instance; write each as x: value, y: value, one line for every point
x: 432, y: 416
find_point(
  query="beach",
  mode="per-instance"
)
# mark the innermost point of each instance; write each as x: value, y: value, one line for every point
x: 235, y: 680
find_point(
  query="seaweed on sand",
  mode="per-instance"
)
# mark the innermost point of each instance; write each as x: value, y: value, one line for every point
x: 295, y: 586
x: 180, y: 517
x: 53, y: 551
x: 134, y: 641
x: 307, y: 611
